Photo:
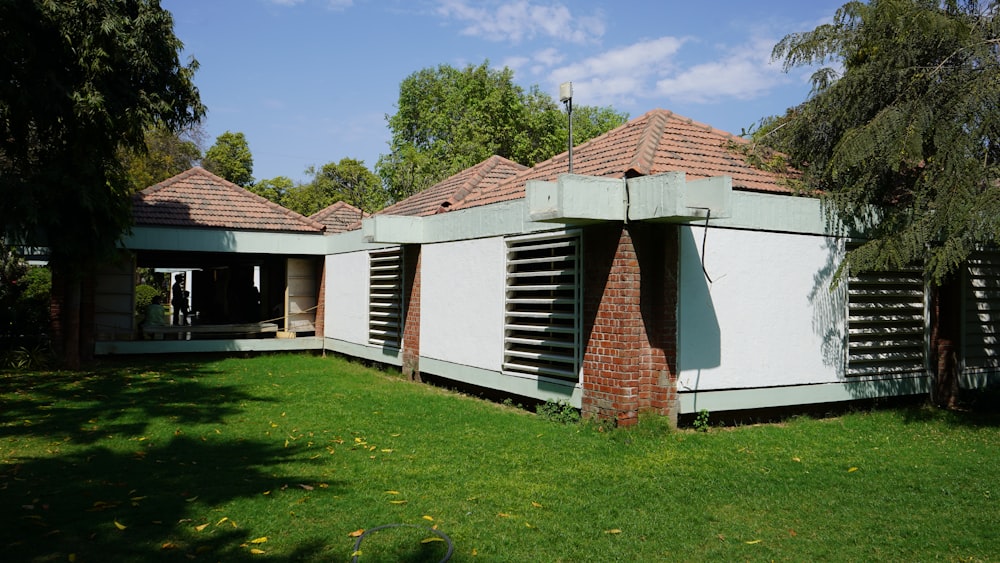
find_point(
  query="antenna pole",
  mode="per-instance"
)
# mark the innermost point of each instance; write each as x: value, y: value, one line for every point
x: 566, y: 97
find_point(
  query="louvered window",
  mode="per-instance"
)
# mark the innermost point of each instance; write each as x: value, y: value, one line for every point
x: 886, y: 323
x: 982, y: 311
x: 542, y: 320
x: 385, y: 297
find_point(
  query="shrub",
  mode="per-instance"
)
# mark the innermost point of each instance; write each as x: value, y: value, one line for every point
x: 143, y: 297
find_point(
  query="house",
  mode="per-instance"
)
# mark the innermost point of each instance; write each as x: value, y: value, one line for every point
x: 664, y: 274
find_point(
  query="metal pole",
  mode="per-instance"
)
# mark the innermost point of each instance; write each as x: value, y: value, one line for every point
x: 569, y: 112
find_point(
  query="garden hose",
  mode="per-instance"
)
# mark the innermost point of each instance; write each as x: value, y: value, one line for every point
x: 439, y: 533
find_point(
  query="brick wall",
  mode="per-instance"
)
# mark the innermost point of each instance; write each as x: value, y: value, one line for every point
x: 320, y: 322
x: 629, y: 321
x: 411, y: 313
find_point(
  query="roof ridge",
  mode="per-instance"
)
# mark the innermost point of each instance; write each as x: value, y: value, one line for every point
x: 649, y: 141
x: 474, y: 181
x: 261, y: 199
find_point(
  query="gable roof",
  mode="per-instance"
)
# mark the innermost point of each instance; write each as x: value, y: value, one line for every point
x: 339, y: 217
x: 450, y: 192
x: 658, y: 141
x: 198, y: 198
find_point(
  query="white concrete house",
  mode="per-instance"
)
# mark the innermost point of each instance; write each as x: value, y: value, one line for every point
x: 664, y: 274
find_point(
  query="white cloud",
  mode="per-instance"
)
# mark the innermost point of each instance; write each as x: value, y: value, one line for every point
x: 522, y: 20
x: 743, y: 73
x: 621, y: 74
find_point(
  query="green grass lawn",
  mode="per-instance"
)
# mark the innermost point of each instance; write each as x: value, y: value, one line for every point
x: 282, y: 458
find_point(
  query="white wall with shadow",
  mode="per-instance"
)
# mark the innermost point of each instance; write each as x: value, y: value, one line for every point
x: 754, y: 310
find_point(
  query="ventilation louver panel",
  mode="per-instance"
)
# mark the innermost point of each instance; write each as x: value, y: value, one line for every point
x: 982, y: 311
x: 542, y: 321
x: 385, y: 298
x: 886, y: 323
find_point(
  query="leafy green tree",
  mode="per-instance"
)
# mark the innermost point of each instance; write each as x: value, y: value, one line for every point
x: 349, y: 180
x: 902, y: 133
x: 81, y: 81
x: 230, y: 158
x: 274, y: 189
x: 164, y: 155
x: 450, y: 119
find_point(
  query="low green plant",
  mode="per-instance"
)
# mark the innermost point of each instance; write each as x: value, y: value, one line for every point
x: 558, y: 411
x: 702, y: 422
x: 35, y: 357
x: 143, y: 297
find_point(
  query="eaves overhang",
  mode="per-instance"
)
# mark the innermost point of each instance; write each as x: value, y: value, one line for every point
x: 669, y: 197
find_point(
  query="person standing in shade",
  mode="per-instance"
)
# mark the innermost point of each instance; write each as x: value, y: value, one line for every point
x: 179, y: 300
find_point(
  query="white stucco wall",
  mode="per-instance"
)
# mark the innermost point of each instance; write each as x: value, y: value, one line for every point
x: 347, y: 297
x: 462, y: 302
x: 767, y: 318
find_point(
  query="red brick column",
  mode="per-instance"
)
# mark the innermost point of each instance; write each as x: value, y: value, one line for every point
x: 411, y: 313
x: 320, y: 322
x: 629, y: 306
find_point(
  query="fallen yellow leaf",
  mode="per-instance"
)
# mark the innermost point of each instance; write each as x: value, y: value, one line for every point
x: 397, y: 502
x: 535, y: 504
x: 168, y: 545
x: 201, y: 527
x: 392, y: 492
x: 751, y: 542
x: 224, y: 518
x: 356, y: 553
x: 356, y: 533
x: 613, y: 531
x: 256, y: 551
x: 262, y: 539
x: 426, y: 517
x: 852, y: 470
x: 431, y: 539
x: 119, y: 525
x: 796, y: 459
x: 503, y: 515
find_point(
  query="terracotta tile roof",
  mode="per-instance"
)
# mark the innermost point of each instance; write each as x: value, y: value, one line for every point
x: 339, y: 217
x: 450, y: 193
x: 198, y: 198
x: 656, y: 142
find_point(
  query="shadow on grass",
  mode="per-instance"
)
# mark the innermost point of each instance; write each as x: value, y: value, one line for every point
x: 81, y: 480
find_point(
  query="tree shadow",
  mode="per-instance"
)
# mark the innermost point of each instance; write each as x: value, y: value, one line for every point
x: 103, y: 489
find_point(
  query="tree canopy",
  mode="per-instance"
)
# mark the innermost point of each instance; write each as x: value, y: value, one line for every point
x: 230, y: 158
x: 448, y: 120
x: 81, y: 81
x: 165, y: 154
x: 902, y: 131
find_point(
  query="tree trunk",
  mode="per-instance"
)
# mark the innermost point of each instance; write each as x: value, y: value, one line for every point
x: 64, y: 316
x: 946, y: 340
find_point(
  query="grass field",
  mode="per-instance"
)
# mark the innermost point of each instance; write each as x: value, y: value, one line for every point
x: 287, y: 458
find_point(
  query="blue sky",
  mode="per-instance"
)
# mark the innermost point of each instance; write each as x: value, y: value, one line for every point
x: 312, y: 81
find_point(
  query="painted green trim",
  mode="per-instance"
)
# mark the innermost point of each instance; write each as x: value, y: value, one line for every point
x: 573, y: 198
x: 764, y: 397
x: 389, y: 356
x: 774, y: 212
x: 670, y: 197
x: 128, y: 347
x: 217, y: 240
x: 540, y: 388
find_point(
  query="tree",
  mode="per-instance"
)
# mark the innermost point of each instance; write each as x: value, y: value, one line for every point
x: 352, y: 182
x: 450, y: 119
x: 905, y: 140
x: 164, y: 155
x: 274, y: 189
x: 230, y: 158
x: 81, y: 81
